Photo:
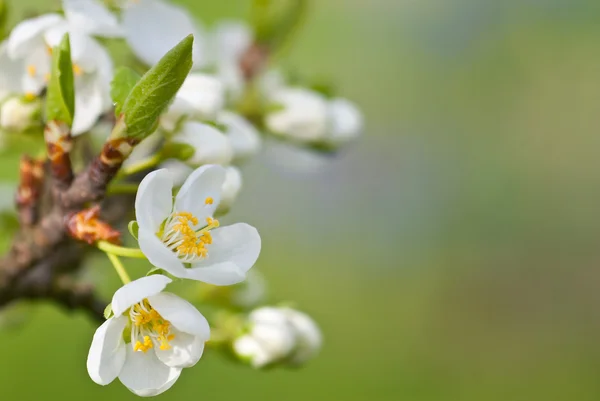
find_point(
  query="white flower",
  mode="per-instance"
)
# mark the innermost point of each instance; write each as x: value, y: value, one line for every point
x: 152, y: 336
x: 243, y: 136
x: 28, y: 53
x: 279, y: 335
x: 153, y: 27
x: 303, y: 114
x: 201, y: 96
x: 18, y: 114
x: 183, y: 238
x: 210, y: 145
x: 229, y: 191
x: 307, y: 116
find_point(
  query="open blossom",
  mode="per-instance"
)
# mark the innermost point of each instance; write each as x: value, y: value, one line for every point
x: 308, y: 116
x: 25, y: 58
x: 278, y: 335
x: 182, y: 237
x: 152, y: 336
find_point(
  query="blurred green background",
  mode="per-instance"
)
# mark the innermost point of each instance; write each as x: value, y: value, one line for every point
x: 451, y: 254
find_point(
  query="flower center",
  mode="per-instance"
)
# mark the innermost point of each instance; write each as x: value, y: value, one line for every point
x: 184, y: 235
x: 149, y: 327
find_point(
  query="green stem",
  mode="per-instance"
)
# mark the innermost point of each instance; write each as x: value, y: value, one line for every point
x: 120, y: 251
x: 119, y: 268
x: 142, y: 165
x: 122, y: 188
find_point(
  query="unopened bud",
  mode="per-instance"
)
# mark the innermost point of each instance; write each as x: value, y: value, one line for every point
x: 243, y: 136
x: 210, y: 145
x: 86, y: 226
x: 19, y: 114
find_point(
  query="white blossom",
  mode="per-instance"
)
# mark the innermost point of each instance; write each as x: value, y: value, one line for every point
x: 243, y: 136
x: 307, y: 116
x: 25, y: 58
x: 210, y: 145
x: 18, y: 114
x: 278, y: 335
x: 152, y: 336
x: 181, y: 235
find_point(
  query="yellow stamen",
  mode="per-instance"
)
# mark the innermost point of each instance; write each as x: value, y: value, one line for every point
x: 31, y: 70
x: 77, y: 69
x: 30, y: 96
x: 209, y: 201
x: 148, y: 320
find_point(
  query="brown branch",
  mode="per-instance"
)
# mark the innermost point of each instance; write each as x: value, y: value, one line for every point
x: 254, y: 61
x: 30, y: 189
x: 59, y: 144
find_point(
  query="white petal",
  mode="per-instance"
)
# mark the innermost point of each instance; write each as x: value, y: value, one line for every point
x: 154, y: 200
x: 244, y: 137
x: 346, y: 121
x: 136, y: 291
x: 152, y: 28
x: 107, y: 352
x: 186, y: 350
x: 231, y: 188
x: 249, y: 348
x: 233, y: 251
x: 92, y: 17
x: 37, y: 62
x: 230, y: 40
x: 182, y: 314
x: 201, y: 96
x: 145, y: 375
x: 178, y: 170
x: 211, y: 145
x: 308, y: 333
x: 29, y: 34
x: 89, y: 104
x: 204, y: 182
x: 12, y: 71
x: 159, y: 255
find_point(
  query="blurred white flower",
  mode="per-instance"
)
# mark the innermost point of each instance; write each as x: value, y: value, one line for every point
x: 251, y: 292
x: 18, y: 114
x: 244, y: 137
x: 25, y: 58
x: 201, y: 97
x: 152, y: 336
x: 181, y: 236
x: 230, y: 189
x: 278, y: 335
x: 210, y: 145
x: 307, y: 116
x: 153, y: 27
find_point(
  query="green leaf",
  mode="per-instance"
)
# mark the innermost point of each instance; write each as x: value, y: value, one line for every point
x: 274, y: 22
x: 155, y: 90
x: 60, y: 100
x: 121, y: 85
x: 108, y: 312
x: 133, y: 228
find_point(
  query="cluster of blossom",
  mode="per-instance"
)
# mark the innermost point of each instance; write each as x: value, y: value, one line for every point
x: 150, y: 335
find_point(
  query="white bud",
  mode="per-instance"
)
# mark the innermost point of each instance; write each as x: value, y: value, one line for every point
x: 278, y: 335
x: 211, y: 145
x: 346, y: 121
x: 18, y: 114
x: 231, y: 189
x: 201, y: 96
x: 304, y: 114
x: 244, y: 137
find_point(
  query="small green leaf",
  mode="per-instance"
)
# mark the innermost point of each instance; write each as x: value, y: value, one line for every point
x: 180, y: 151
x: 121, y: 85
x: 156, y: 89
x: 108, y: 312
x: 60, y: 100
x: 133, y: 228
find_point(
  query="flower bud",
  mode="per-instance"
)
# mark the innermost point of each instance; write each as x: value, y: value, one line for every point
x: 200, y: 97
x: 278, y: 335
x: 346, y: 121
x: 18, y: 114
x: 300, y: 114
x: 244, y: 137
x: 231, y: 189
x: 211, y: 145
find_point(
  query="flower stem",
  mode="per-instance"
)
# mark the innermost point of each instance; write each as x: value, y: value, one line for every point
x: 142, y: 165
x: 119, y: 268
x: 122, y: 188
x: 120, y: 251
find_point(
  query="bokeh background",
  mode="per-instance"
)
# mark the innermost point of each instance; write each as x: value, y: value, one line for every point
x: 451, y: 254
